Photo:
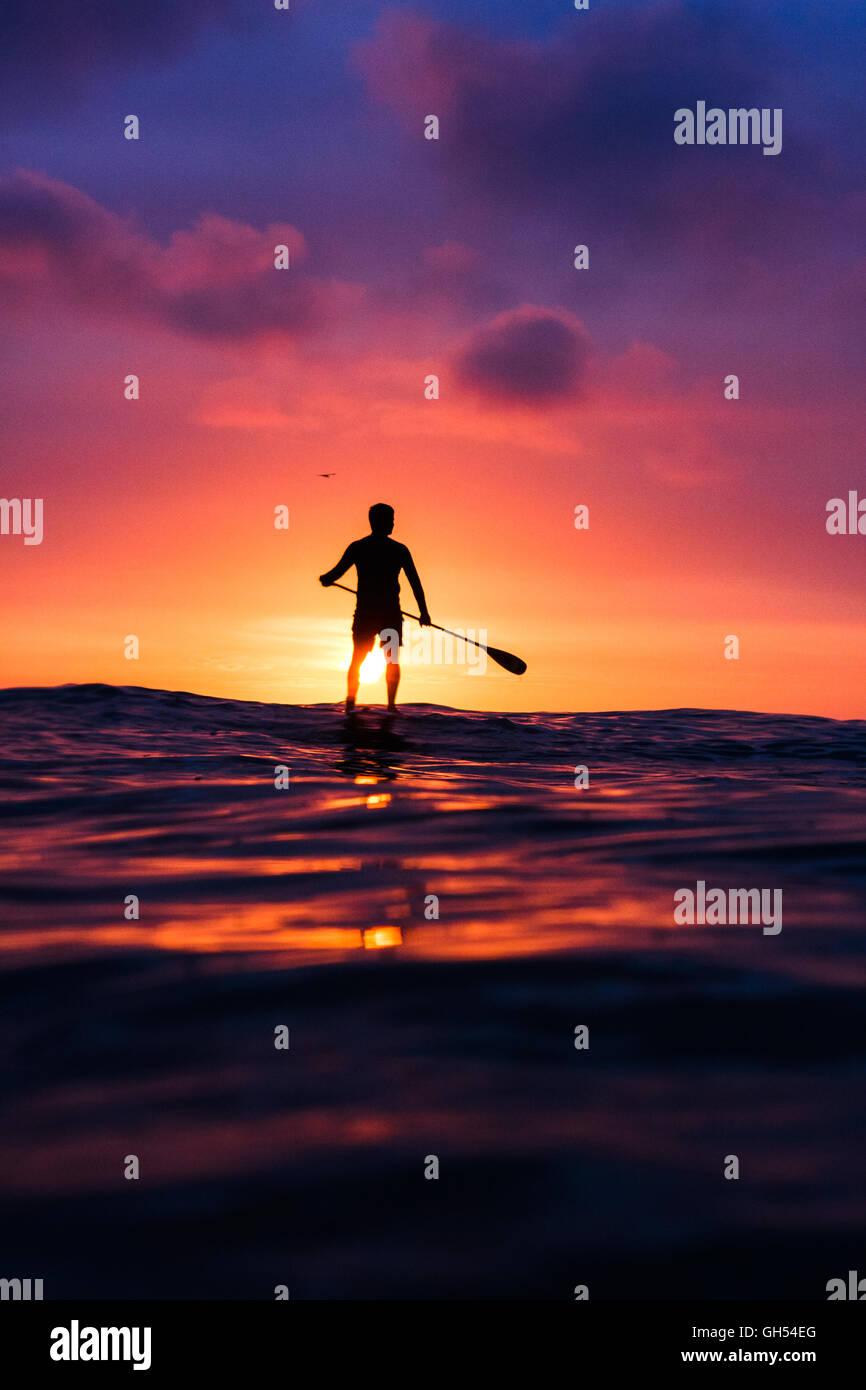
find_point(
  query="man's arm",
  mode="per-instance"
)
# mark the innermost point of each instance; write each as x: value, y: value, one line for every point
x: 346, y: 563
x: 412, y: 575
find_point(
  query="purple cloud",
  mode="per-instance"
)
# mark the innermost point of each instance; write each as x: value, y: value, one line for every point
x: 581, y: 120
x: 527, y: 356
x: 55, y: 41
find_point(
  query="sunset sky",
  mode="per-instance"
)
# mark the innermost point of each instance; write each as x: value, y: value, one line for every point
x: 411, y: 257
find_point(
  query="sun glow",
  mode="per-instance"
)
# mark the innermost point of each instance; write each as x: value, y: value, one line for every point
x: 372, y: 666
x: 375, y: 938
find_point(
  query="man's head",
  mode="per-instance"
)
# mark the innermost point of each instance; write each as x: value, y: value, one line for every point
x: 381, y: 519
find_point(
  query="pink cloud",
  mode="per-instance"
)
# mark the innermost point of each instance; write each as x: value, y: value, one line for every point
x: 216, y: 279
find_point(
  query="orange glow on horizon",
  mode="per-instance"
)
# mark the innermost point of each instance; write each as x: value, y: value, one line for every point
x: 629, y: 614
x: 377, y: 938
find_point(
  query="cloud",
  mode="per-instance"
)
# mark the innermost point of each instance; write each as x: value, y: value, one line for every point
x: 526, y: 356
x: 52, y: 45
x: 580, y: 122
x: 216, y: 280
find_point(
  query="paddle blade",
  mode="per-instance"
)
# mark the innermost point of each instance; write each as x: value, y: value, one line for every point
x: 511, y: 663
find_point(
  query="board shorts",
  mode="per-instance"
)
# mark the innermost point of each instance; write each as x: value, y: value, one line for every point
x: 366, y: 626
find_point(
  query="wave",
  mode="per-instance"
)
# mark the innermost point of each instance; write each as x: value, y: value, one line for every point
x: 103, y: 714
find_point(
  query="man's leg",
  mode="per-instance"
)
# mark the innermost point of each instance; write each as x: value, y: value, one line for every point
x: 389, y: 641
x: 392, y: 680
x: 361, y: 646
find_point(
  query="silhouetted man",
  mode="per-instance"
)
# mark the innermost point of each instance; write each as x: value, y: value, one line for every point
x: 378, y: 561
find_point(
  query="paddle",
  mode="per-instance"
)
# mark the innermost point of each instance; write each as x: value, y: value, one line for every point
x: 511, y: 663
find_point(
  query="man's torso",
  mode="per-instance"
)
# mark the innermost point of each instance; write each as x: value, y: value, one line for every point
x: 378, y: 560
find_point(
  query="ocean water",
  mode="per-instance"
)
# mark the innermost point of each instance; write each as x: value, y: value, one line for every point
x: 412, y: 1035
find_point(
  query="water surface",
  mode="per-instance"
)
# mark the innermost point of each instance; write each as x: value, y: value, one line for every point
x: 313, y: 906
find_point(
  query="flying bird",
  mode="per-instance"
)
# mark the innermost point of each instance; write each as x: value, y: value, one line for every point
x: 326, y: 475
